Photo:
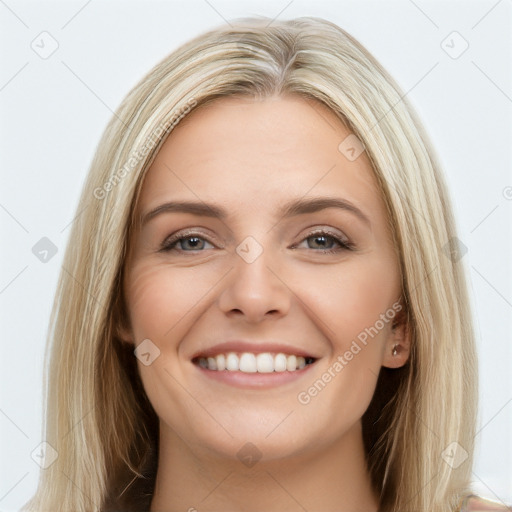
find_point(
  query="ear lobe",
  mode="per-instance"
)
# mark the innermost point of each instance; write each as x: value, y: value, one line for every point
x: 398, y: 345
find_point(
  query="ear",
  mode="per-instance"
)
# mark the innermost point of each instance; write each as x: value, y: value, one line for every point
x: 122, y: 329
x: 124, y: 333
x: 398, y: 344
x: 121, y: 322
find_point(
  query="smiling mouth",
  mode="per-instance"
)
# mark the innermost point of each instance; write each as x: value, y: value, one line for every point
x: 248, y: 362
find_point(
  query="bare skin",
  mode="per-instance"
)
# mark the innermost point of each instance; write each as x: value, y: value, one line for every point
x: 305, y: 289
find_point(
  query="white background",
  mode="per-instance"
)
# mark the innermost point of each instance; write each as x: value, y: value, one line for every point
x: 54, y: 110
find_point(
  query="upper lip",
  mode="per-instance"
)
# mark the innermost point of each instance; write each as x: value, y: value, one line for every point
x: 253, y: 347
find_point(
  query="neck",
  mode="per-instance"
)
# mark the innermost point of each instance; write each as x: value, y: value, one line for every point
x: 335, y: 479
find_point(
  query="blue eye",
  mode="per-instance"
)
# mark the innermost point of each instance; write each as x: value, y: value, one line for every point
x: 189, y: 243
x: 193, y: 243
x: 321, y: 241
x: 327, y: 243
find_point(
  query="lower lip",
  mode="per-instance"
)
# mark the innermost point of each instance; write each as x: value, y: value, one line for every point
x: 255, y: 380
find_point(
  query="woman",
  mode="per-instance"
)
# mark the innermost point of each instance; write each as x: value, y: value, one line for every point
x: 261, y: 306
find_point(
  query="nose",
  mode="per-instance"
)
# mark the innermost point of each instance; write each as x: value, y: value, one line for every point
x: 255, y: 292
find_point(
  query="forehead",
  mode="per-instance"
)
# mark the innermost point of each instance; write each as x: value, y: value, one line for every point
x: 253, y: 153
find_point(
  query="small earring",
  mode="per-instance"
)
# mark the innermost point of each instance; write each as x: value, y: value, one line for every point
x: 395, y: 350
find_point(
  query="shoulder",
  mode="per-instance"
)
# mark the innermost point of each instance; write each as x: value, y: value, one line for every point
x: 478, y: 504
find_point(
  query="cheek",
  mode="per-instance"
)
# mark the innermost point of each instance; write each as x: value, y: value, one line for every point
x: 351, y: 301
x: 148, y: 302
x: 157, y: 299
x: 160, y: 298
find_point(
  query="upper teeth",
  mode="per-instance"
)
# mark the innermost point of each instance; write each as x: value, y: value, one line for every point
x: 252, y: 363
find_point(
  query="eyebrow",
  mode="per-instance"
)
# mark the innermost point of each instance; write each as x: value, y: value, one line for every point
x: 290, y: 209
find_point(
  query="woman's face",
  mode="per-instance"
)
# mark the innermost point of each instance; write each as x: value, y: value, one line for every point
x: 274, y: 241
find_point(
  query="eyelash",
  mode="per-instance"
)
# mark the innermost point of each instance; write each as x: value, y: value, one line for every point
x: 343, y: 245
x: 170, y: 243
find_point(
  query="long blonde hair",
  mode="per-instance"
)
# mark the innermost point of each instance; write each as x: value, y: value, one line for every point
x: 97, y: 415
